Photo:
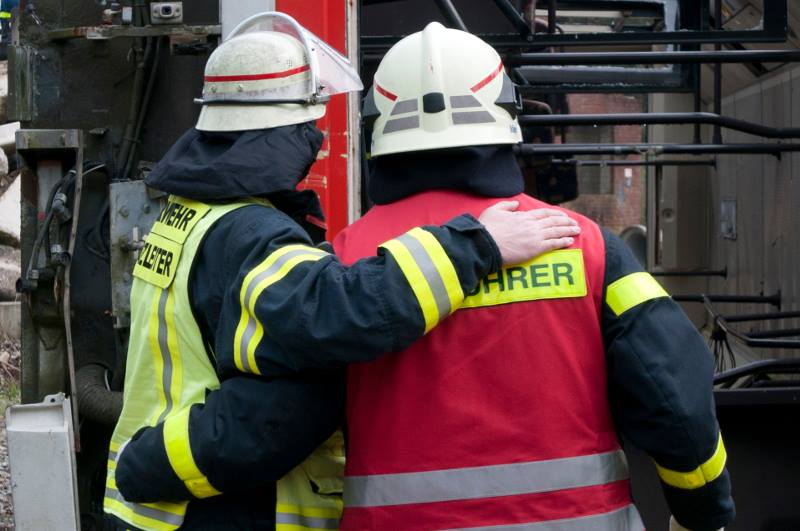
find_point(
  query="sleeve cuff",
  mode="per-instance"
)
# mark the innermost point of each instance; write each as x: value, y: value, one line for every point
x: 707, y: 508
x: 485, y: 244
x: 144, y: 474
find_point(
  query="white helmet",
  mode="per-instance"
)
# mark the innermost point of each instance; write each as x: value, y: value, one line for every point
x: 441, y: 88
x: 271, y: 72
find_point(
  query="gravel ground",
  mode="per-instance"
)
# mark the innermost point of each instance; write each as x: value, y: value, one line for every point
x: 9, y: 394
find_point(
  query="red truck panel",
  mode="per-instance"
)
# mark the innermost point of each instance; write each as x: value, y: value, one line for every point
x: 328, y: 177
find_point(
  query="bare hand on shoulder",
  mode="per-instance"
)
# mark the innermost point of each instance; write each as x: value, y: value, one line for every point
x: 521, y: 236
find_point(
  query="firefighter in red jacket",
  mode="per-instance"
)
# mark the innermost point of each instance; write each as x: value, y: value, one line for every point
x: 507, y: 415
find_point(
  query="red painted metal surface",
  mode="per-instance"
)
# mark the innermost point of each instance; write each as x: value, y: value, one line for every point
x: 328, y: 176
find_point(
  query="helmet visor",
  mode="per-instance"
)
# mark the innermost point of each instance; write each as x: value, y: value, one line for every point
x: 331, y: 72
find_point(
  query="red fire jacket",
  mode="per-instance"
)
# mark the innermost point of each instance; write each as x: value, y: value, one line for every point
x: 499, y: 416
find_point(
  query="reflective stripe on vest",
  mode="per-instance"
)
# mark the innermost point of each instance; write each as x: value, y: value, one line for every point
x: 323, y: 509
x: 485, y: 481
x: 293, y: 521
x: 624, y: 519
x: 160, y: 328
x: 163, y: 516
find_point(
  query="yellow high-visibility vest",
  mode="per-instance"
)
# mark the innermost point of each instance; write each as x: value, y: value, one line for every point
x: 168, y: 370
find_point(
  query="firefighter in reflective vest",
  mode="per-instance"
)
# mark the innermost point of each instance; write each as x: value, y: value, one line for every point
x: 6, y: 6
x: 507, y: 415
x: 230, y: 293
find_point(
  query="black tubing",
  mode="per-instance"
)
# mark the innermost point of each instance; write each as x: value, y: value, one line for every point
x: 96, y: 401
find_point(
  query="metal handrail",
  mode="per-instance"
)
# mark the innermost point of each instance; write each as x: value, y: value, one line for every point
x: 660, y: 119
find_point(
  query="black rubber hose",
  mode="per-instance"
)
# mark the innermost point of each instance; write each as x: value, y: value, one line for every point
x: 137, y: 93
x: 95, y: 400
x: 144, y: 106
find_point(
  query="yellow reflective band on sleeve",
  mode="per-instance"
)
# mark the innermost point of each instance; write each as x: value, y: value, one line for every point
x: 429, y: 272
x: 5, y: 15
x: 179, y: 453
x: 631, y: 291
x: 422, y: 291
x: 700, y: 476
x: 275, y: 267
x: 443, y: 265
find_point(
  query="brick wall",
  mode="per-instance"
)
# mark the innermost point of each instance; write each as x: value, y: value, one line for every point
x: 625, y: 205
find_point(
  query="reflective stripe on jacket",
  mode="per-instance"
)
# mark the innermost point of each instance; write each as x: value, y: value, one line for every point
x: 169, y: 370
x: 498, y: 418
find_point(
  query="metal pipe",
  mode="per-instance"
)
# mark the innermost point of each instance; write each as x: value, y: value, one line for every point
x: 660, y: 119
x: 760, y: 316
x: 717, y: 139
x: 451, y: 14
x: 637, y: 58
x: 774, y: 300
x: 764, y: 334
x: 544, y: 40
x: 654, y: 149
x: 771, y: 343
x: 514, y: 17
x: 551, y: 17
x: 705, y: 273
x: 663, y: 162
x: 698, y: 103
x: 777, y: 366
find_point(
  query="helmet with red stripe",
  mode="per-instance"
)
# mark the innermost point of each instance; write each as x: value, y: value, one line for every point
x: 441, y: 88
x: 271, y: 72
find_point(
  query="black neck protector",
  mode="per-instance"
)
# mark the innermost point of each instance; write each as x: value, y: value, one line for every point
x: 490, y: 171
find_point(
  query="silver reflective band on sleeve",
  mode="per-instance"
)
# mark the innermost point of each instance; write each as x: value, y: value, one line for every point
x: 429, y: 271
x: 625, y: 519
x: 250, y: 330
x: 311, y: 522
x: 147, y: 512
x: 486, y: 481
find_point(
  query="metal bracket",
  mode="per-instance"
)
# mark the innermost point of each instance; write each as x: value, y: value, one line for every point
x: 132, y: 213
x: 48, y: 139
x: 133, y: 32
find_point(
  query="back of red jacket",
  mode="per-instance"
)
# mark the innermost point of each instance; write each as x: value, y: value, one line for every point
x: 516, y: 376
